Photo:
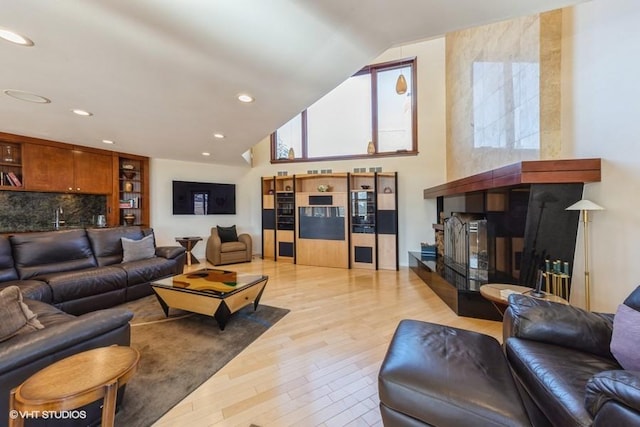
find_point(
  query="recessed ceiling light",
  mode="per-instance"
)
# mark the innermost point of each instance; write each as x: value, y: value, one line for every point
x: 13, y: 37
x: 26, y: 96
x: 218, y: 135
x: 206, y: 154
x: 245, y: 98
x: 81, y: 112
x: 108, y: 141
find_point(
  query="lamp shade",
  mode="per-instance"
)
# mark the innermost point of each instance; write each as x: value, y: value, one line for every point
x: 584, y: 205
x: 401, y: 85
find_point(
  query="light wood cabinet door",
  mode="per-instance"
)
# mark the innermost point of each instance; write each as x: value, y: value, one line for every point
x: 47, y: 168
x: 93, y: 173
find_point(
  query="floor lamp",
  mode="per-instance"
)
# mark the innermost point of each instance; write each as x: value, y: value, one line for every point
x: 585, y: 206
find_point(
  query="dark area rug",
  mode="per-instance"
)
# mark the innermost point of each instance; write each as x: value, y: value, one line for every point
x: 180, y: 353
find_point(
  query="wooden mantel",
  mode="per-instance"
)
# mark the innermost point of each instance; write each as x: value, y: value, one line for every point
x: 525, y: 172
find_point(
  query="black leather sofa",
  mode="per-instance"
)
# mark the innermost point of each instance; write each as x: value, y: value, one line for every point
x: 70, y: 279
x: 63, y: 335
x: 560, y: 357
x: 80, y: 270
x: 554, y: 368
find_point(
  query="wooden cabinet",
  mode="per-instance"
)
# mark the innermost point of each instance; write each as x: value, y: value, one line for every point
x: 268, y: 218
x: 92, y: 172
x: 60, y: 169
x: 55, y: 167
x: 332, y: 220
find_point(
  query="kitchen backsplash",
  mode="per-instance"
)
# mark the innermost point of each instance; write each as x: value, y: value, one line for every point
x: 30, y: 211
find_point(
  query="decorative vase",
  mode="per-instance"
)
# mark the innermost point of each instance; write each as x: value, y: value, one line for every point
x: 371, y: 149
x: 128, y: 186
x: 129, y: 218
x: 292, y: 154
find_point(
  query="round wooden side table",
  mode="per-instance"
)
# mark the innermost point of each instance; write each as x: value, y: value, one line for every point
x: 74, y: 382
x: 498, y: 294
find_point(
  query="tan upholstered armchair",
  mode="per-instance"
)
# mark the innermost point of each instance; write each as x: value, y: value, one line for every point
x: 227, y: 247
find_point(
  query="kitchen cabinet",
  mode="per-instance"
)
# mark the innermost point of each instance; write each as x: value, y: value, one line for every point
x: 59, y: 169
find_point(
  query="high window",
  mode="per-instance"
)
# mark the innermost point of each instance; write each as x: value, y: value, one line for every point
x: 362, y: 117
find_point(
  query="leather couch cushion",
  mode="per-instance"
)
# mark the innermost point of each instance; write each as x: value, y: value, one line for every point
x: 445, y: 376
x: 47, y: 314
x: 17, y: 318
x: 232, y: 247
x: 72, y: 285
x: 32, y: 289
x: 107, y: 244
x: 52, y: 251
x: 148, y: 270
x: 7, y: 270
x: 556, y: 377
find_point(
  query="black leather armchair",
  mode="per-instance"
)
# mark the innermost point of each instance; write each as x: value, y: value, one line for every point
x: 561, y: 359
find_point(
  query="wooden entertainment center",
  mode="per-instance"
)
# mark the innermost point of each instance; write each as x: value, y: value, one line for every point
x: 345, y: 220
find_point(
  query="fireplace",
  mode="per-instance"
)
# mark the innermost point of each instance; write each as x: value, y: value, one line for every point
x: 467, y: 249
x: 500, y: 227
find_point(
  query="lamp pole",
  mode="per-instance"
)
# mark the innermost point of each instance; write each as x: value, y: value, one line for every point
x: 585, y: 206
x: 587, y: 281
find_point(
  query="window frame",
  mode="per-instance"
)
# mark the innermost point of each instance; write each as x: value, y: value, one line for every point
x: 372, y: 70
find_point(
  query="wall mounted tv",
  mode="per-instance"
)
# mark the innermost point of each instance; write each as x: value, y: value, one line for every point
x: 203, y: 198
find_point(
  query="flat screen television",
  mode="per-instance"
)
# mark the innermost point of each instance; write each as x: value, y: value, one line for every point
x: 203, y: 198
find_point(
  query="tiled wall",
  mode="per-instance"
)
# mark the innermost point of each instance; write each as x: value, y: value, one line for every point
x: 503, y: 94
x: 31, y: 211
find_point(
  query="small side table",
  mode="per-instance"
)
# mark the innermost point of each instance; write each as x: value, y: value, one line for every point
x: 498, y: 294
x: 76, y: 381
x: 188, y: 243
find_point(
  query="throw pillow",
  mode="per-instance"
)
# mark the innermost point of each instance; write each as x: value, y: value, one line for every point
x: 625, y: 340
x: 228, y: 234
x: 134, y: 250
x: 17, y: 318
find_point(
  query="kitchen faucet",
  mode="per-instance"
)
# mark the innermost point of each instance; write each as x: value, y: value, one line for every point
x: 58, y: 219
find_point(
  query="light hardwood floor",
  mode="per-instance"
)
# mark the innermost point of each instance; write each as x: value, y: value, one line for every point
x: 318, y: 366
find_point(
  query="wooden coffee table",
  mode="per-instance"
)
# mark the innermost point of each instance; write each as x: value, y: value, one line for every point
x: 74, y: 382
x: 498, y: 294
x: 217, y: 293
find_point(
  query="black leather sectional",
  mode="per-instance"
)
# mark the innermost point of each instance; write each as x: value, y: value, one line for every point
x: 72, y: 280
x: 555, y: 368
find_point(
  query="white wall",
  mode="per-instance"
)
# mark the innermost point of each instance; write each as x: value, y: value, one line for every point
x: 600, y: 98
x: 168, y: 226
x: 601, y: 118
x: 414, y: 172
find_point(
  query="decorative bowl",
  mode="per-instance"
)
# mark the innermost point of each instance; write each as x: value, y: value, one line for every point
x: 323, y: 188
x: 365, y: 187
x: 129, y: 174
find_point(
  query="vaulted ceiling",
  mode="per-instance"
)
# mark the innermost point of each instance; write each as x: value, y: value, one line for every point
x: 160, y: 77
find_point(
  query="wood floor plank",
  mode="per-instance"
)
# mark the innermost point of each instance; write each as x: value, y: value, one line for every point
x: 317, y: 366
